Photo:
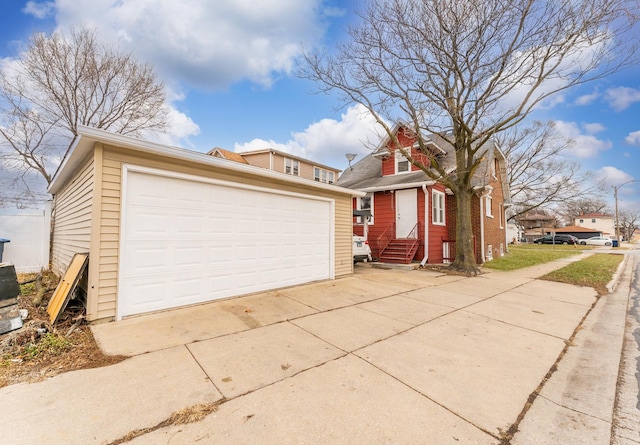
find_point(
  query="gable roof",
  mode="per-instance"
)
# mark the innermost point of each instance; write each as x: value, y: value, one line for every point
x: 577, y: 229
x: 431, y: 142
x: 229, y: 155
x: 594, y: 215
x: 366, y: 174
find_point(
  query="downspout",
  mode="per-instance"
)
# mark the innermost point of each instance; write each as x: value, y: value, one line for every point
x: 482, y: 216
x: 482, y: 195
x: 426, y: 226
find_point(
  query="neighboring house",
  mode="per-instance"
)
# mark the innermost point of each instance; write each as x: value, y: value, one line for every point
x: 598, y: 222
x: 167, y: 227
x: 514, y: 233
x: 281, y: 162
x: 579, y: 232
x: 537, y: 221
x: 536, y: 225
x: 413, y: 216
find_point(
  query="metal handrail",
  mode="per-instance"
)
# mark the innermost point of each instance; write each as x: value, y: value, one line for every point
x: 414, y: 232
x: 386, y: 237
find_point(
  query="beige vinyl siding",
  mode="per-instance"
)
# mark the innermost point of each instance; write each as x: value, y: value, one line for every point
x: 72, y: 218
x: 344, y: 237
x: 262, y: 160
x: 109, y: 228
x: 113, y: 160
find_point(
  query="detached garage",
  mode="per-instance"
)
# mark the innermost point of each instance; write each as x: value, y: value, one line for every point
x: 167, y: 227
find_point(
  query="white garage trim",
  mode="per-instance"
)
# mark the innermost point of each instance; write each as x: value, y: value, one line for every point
x: 322, y: 267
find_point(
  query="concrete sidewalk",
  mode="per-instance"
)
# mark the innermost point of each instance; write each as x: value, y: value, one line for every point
x: 384, y: 356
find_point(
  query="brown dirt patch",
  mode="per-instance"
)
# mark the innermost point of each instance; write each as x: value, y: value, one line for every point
x: 40, y: 350
x: 445, y: 269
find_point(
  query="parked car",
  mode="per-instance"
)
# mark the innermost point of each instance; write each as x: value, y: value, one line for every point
x: 557, y: 239
x: 361, y: 249
x: 597, y: 241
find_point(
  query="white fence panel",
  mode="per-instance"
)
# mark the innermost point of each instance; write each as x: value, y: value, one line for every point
x: 29, y: 232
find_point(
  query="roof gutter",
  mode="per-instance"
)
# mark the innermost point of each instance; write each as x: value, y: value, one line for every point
x: 410, y: 185
x: 88, y: 136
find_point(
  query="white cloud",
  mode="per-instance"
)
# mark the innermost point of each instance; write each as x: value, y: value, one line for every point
x: 613, y: 176
x: 633, y: 138
x: 627, y: 195
x: 328, y: 140
x: 622, y: 98
x: 593, y: 128
x: 584, y: 145
x: 39, y: 10
x: 180, y: 128
x: 209, y: 44
x: 587, y: 98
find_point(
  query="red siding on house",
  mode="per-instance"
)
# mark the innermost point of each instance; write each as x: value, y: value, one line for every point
x: 437, y: 233
x: 388, y: 166
x: 384, y: 217
x: 389, y: 163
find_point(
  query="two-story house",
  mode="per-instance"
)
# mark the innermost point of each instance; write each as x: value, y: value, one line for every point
x: 281, y: 162
x: 413, y: 216
x: 600, y: 222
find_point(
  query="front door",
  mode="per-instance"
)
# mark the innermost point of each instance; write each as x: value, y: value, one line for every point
x: 406, y: 212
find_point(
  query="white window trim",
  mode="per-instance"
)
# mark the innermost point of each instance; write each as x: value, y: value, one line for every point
x: 359, y: 207
x: 438, y: 197
x: 399, y: 157
x: 501, y: 215
x: 488, y: 206
x: 323, y: 175
x: 294, y: 165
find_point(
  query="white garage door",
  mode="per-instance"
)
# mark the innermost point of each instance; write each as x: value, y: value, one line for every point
x: 187, y: 240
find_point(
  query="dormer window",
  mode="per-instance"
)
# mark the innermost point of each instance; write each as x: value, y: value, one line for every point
x: 292, y: 166
x: 402, y: 163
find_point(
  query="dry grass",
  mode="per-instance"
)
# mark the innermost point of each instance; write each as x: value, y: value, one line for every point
x: 187, y: 415
x: 40, y: 350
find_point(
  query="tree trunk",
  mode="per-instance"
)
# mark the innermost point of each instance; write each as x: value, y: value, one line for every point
x: 465, y: 259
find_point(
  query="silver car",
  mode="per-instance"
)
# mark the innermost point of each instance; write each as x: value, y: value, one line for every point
x: 597, y: 241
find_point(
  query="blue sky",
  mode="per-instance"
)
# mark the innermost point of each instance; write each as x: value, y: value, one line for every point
x: 228, y: 68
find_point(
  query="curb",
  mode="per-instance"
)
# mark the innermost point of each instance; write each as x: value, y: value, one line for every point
x: 613, y: 284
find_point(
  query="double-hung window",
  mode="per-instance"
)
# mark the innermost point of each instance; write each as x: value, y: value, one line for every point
x: 292, y: 166
x: 402, y: 163
x: 437, y: 207
x: 489, y: 206
x: 322, y: 175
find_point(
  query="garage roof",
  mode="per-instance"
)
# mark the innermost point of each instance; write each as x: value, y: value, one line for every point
x: 88, y: 136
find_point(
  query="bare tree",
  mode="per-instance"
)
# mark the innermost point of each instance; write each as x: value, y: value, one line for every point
x: 470, y: 69
x: 628, y: 222
x: 580, y: 205
x: 542, y: 173
x: 61, y: 82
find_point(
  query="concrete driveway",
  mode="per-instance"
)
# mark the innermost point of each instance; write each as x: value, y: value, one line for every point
x: 384, y: 356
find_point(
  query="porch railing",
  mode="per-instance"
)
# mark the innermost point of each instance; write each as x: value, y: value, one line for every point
x: 385, y: 237
x: 414, y: 232
x: 449, y: 250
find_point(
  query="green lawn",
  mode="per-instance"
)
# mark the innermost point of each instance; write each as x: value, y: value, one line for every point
x: 594, y: 271
x: 525, y: 255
